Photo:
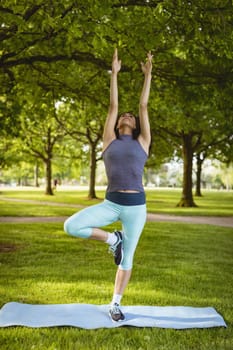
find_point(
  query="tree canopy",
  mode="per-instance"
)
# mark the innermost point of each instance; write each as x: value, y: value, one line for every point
x: 63, y: 49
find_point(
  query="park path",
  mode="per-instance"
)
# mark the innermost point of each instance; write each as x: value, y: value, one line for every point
x: 208, y: 220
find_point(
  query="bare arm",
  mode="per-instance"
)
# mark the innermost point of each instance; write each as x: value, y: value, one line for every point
x: 145, y: 136
x: 109, y: 133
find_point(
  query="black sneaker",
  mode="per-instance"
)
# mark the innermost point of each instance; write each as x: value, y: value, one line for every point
x: 115, y: 313
x: 116, y: 249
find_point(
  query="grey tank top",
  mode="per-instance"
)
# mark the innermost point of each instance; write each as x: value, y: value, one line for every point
x: 124, y: 161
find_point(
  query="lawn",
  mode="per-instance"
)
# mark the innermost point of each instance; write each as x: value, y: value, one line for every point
x: 163, y: 201
x: 175, y: 264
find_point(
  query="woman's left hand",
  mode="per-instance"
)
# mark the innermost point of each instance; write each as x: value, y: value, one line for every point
x: 147, y: 67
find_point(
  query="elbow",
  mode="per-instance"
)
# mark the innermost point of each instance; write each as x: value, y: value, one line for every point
x: 143, y: 105
x: 113, y: 106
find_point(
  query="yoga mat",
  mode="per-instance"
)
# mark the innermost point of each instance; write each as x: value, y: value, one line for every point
x: 89, y: 316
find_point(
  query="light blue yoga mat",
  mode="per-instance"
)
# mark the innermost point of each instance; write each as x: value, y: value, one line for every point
x: 96, y: 316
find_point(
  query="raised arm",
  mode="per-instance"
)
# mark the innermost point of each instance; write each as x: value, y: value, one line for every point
x: 109, y: 134
x: 145, y: 136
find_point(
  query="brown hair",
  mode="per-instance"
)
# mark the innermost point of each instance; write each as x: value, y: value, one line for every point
x: 136, y: 131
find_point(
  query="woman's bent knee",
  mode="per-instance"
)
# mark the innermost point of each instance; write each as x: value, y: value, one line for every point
x: 67, y: 226
x: 73, y: 228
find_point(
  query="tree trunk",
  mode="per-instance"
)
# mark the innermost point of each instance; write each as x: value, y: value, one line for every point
x: 36, y: 175
x: 48, y: 163
x: 187, y: 195
x: 48, y: 171
x: 92, y: 193
x: 198, y: 175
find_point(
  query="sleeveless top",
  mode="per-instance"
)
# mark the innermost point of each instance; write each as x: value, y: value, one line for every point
x: 124, y: 161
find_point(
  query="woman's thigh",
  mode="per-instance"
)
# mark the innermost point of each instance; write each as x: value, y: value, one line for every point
x: 81, y: 224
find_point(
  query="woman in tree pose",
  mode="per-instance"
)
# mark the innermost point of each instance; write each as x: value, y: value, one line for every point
x: 126, y: 141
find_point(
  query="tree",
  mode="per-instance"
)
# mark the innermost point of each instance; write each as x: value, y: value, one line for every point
x: 40, y: 133
x: 216, y: 148
x: 59, y: 46
x: 200, y: 63
x: 78, y: 122
x: 41, y: 47
x: 217, y: 141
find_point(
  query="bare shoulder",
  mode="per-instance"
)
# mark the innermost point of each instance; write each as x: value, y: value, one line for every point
x: 107, y: 142
x: 144, y: 143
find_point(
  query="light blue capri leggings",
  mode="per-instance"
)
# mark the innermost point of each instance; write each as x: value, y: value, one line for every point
x: 132, y: 217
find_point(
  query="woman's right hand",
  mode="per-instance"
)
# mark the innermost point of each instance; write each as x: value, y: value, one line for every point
x: 116, y: 64
x: 147, y: 67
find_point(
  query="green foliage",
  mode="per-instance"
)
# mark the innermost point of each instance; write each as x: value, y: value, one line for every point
x: 62, y: 50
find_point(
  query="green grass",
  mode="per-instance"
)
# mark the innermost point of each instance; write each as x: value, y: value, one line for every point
x: 213, y: 203
x: 175, y: 264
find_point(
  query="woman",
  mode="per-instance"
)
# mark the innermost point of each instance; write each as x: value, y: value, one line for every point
x: 125, y: 151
